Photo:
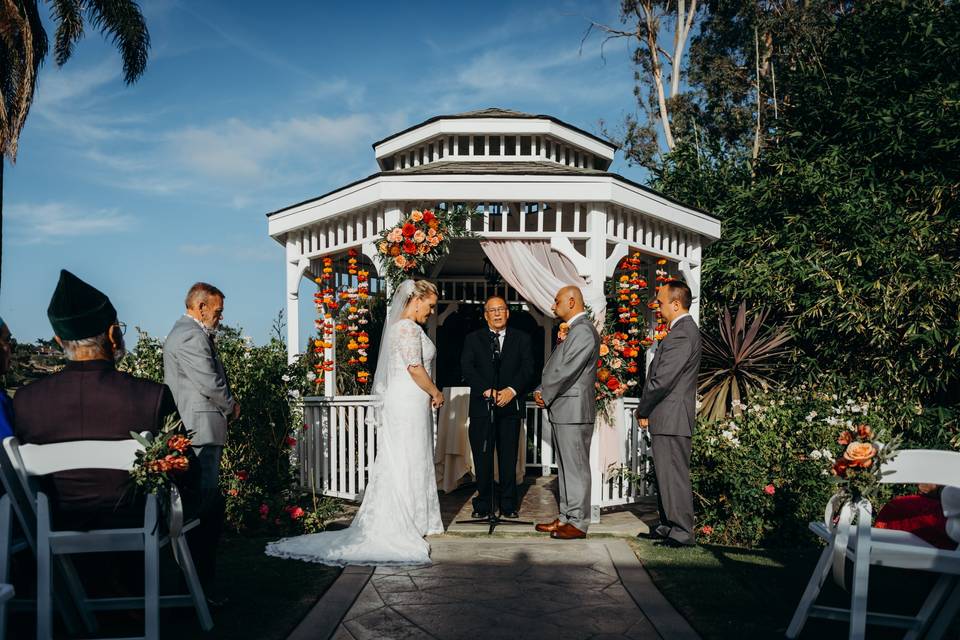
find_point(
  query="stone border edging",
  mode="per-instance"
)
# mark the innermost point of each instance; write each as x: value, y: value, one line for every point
x: 322, y: 620
x: 662, y: 615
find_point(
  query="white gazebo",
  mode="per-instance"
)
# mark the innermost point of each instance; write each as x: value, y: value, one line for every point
x: 539, y: 183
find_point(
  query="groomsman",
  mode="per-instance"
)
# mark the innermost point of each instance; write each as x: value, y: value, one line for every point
x: 668, y: 408
x: 195, y: 374
x: 478, y: 364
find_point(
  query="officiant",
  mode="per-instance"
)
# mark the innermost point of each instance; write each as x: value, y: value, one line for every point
x: 497, y: 364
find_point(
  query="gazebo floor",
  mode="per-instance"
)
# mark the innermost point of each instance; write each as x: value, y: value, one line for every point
x: 538, y: 504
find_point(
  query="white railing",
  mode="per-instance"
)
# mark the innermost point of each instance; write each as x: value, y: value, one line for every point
x: 337, y: 447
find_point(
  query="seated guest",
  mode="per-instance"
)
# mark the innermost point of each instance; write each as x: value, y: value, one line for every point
x: 89, y: 400
x: 6, y: 407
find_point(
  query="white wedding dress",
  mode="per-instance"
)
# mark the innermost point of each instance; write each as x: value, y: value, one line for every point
x: 400, y: 505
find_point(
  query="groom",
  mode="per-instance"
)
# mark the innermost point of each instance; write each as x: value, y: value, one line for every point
x: 569, y: 395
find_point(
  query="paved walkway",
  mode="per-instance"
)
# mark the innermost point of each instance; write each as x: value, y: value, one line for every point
x: 514, y: 584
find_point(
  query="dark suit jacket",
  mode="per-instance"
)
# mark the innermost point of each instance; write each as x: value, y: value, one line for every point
x: 516, y: 368
x: 89, y: 401
x: 669, y: 397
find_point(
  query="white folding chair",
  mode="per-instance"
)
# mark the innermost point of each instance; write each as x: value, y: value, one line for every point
x: 31, y: 461
x: 18, y: 533
x: 865, y: 545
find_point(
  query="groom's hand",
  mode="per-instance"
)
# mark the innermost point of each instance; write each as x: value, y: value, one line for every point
x: 487, y: 393
x: 504, y: 396
x: 643, y: 423
x: 538, y: 398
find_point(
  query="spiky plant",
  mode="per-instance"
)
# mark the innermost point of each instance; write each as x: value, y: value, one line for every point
x: 742, y: 359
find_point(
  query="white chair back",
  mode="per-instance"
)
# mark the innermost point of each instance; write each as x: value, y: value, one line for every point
x: 916, y: 466
x: 44, y: 459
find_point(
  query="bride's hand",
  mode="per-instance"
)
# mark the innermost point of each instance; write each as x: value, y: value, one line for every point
x: 436, y: 400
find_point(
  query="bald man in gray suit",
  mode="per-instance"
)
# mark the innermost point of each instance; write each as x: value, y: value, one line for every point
x: 568, y: 393
x: 668, y: 408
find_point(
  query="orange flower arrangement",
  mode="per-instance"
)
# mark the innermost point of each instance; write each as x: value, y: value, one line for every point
x: 856, y: 469
x: 420, y: 241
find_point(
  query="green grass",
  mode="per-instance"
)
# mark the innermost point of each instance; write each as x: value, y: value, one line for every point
x: 727, y: 592
x: 268, y: 597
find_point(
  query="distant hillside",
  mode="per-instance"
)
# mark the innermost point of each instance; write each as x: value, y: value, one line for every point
x: 32, y: 361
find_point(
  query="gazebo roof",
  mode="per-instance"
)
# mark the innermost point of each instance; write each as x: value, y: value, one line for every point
x: 495, y: 112
x: 491, y: 168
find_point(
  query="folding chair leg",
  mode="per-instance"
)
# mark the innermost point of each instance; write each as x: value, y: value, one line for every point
x: 947, y: 613
x: 861, y: 579
x: 44, y: 608
x: 151, y: 588
x: 6, y: 533
x: 810, y: 594
x: 193, y: 582
x: 941, y: 591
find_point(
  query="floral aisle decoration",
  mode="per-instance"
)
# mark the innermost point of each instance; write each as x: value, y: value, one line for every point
x: 420, y: 241
x: 857, y: 466
x: 163, y: 457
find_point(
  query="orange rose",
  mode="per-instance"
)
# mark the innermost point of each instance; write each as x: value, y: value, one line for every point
x: 864, y: 431
x: 400, y: 261
x: 840, y: 467
x: 395, y: 250
x: 419, y: 237
x: 604, y: 349
x: 603, y: 375
x: 416, y: 216
x: 860, y: 454
x: 845, y: 438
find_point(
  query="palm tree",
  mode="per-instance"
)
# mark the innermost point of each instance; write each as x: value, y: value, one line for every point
x: 23, y: 49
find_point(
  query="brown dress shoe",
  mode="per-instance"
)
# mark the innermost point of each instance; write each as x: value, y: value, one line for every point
x: 548, y: 527
x: 567, y: 531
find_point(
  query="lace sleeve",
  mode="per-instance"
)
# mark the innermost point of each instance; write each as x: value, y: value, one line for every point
x: 408, y: 345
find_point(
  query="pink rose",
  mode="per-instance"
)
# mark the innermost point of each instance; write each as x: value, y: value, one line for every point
x: 769, y: 490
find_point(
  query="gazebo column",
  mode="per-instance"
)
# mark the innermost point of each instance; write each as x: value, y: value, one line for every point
x: 597, y: 258
x: 691, y: 275
x: 297, y: 265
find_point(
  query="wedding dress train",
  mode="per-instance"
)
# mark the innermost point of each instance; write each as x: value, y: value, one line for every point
x: 400, y: 505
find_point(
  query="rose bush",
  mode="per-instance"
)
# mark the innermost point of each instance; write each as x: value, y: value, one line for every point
x: 760, y: 477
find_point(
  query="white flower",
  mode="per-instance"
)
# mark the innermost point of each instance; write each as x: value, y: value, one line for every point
x: 285, y: 378
x: 811, y: 416
x: 815, y: 454
x: 294, y: 393
x: 311, y: 376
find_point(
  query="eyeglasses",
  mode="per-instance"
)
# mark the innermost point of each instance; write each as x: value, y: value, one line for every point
x: 497, y: 310
x: 123, y: 328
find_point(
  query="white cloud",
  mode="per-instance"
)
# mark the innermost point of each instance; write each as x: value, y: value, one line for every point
x: 55, y: 222
x: 238, y: 253
x: 243, y: 152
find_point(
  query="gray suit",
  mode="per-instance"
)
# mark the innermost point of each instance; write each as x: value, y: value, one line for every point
x: 193, y: 371
x: 569, y: 392
x: 669, y: 401
x: 196, y: 377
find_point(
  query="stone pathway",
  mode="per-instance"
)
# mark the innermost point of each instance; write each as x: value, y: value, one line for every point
x: 514, y: 584
x: 483, y: 587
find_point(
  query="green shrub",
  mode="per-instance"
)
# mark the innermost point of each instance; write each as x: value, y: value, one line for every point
x: 257, y: 473
x: 760, y: 477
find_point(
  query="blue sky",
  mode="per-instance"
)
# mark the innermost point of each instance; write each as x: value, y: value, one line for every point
x: 246, y: 108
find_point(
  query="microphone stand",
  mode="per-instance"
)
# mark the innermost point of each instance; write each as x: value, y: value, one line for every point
x: 493, y: 518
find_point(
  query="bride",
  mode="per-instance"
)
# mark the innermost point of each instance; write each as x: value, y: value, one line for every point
x: 400, y: 504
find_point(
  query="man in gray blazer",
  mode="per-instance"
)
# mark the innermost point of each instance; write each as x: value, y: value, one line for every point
x: 196, y: 377
x: 668, y: 408
x: 568, y: 392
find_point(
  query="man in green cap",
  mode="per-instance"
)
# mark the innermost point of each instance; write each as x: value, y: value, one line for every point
x: 89, y: 400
